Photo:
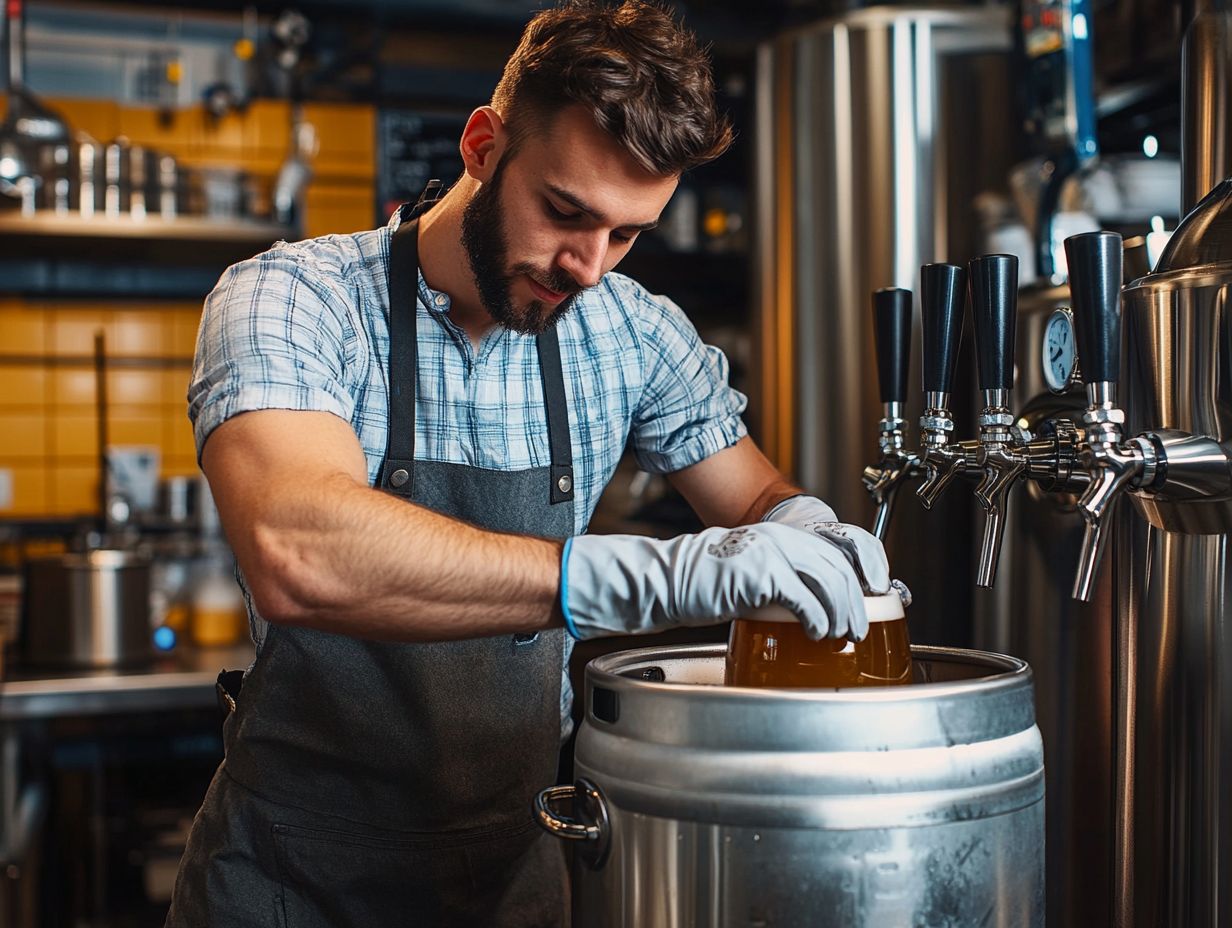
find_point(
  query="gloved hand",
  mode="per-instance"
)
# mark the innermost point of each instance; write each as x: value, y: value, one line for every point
x: 862, y: 549
x: 627, y: 584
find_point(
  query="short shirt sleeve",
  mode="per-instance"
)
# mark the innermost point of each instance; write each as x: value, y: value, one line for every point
x: 272, y: 336
x: 687, y: 410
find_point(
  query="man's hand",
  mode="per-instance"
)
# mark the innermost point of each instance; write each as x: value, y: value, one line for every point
x: 863, y: 551
x: 627, y: 584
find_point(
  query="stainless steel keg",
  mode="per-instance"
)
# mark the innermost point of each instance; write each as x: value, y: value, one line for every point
x: 700, y: 804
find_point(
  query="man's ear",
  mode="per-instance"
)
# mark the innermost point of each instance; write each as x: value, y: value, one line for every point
x: 483, y: 143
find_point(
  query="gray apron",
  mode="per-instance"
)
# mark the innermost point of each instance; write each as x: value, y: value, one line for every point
x: 369, y: 784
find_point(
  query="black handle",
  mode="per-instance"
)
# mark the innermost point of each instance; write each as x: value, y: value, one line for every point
x: 1095, y: 260
x: 892, y: 327
x: 943, y: 295
x: 994, y: 308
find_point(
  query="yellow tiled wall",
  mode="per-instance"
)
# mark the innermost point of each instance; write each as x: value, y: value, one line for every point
x: 48, y: 419
x: 48, y: 437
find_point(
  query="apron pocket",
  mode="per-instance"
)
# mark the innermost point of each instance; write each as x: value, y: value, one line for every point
x: 336, y: 879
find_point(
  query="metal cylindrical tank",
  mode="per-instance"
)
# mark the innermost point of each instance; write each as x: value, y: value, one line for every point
x: 726, y: 806
x: 1173, y: 589
x: 865, y: 169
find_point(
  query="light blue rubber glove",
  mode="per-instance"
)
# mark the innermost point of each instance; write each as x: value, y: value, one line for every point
x: 628, y: 584
x: 864, y: 552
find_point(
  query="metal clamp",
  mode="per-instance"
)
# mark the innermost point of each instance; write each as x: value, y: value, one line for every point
x: 594, y: 828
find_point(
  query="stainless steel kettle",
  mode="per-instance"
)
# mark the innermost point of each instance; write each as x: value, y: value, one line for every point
x: 88, y: 609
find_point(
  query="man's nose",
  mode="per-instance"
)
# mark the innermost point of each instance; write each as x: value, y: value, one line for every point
x: 583, y: 258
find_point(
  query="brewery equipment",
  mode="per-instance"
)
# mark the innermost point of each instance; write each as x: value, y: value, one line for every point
x: 701, y: 804
x: 864, y: 123
x: 1173, y: 589
x: 1173, y: 576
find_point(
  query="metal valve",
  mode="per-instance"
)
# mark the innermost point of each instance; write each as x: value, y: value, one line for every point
x: 943, y: 293
x: 892, y: 328
x: 994, y: 310
x: 1112, y: 465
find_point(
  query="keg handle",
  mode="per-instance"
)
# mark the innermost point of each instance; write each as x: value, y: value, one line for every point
x: 594, y: 828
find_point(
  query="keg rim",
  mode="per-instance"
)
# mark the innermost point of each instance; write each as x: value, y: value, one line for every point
x: 1006, y: 671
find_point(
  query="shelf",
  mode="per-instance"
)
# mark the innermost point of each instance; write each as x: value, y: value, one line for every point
x: 154, y: 228
x: 51, y: 254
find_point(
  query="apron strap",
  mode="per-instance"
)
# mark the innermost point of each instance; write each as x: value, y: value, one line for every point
x: 548, y: 345
x: 399, y: 461
x: 399, y: 465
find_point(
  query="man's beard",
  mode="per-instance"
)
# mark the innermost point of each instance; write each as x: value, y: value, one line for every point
x: 487, y: 249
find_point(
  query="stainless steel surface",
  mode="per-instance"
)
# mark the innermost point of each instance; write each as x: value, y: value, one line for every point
x: 28, y: 123
x: 91, y: 183
x: 178, y: 681
x: 942, y: 464
x: 1174, y: 733
x: 117, y: 178
x: 1174, y: 592
x: 865, y: 171
x: 594, y: 831
x: 1171, y: 712
x: 1029, y: 613
x: 916, y: 805
x: 1206, y: 101
x: 186, y: 228
x: 87, y: 610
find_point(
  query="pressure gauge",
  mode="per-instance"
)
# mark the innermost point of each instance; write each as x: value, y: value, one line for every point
x: 1060, y: 351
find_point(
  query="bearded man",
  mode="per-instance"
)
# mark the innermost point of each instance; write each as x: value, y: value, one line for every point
x: 406, y: 431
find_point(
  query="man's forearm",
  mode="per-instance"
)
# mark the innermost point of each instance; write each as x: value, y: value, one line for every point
x: 320, y: 548
x: 345, y: 558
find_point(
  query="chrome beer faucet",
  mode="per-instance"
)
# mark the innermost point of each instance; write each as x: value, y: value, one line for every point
x: 892, y: 328
x: 1112, y: 464
x: 943, y: 294
x: 1002, y: 445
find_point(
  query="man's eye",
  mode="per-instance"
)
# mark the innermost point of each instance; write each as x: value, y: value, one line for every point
x: 623, y: 238
x: 557, y: 214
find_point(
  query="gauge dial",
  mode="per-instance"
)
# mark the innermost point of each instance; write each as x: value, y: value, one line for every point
x: 1060, y: 351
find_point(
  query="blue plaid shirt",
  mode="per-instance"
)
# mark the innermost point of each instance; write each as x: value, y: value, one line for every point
x: 305, y: 326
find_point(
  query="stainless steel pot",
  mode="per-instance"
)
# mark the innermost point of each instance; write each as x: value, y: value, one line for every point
x: 86, y: 610
x: 699, y: 804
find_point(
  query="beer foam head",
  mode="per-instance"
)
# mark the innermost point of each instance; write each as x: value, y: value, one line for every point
x: 885, y: 607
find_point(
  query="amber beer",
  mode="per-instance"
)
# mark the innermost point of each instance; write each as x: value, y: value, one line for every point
x: 778, y: 653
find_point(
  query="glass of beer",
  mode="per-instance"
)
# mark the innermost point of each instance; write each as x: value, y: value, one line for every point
x: 772, y: 650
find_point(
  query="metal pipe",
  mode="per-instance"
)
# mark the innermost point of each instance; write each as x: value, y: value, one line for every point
x: 1206, y: 101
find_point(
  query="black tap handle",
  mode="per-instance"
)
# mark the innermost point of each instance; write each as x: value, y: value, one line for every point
x: 994, y: 308
x: 892, y: 328
x: 943, y: 296
x: 1095, y: 260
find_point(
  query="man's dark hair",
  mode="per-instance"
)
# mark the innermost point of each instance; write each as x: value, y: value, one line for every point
x: 641, y: 75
